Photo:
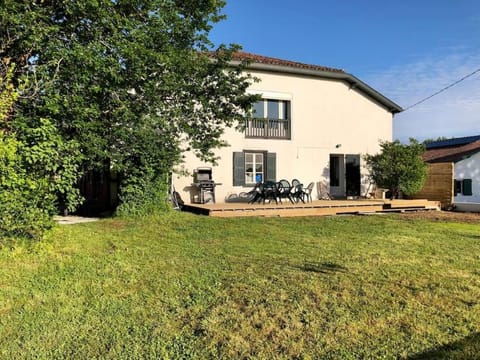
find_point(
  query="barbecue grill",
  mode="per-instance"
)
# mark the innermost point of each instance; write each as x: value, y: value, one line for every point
x: 204, y: 183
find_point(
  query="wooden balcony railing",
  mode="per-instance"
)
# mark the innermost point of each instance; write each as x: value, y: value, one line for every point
x: 268, y: 128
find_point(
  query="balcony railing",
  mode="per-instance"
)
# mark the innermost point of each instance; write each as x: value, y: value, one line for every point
x: 268, y: 128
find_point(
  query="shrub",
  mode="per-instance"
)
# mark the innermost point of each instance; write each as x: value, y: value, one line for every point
x: 22, y: 198
x: 143, y: 195
x: 399, y: 167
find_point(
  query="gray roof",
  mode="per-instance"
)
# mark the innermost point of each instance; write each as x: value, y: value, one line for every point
x: 452, y: 142
x: 263, y: 63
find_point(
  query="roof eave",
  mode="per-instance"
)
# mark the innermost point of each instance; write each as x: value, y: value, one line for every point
x: 350, y: 79
x: 453, y: 157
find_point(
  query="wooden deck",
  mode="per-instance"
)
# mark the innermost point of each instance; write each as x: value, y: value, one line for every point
x: 315, y: 208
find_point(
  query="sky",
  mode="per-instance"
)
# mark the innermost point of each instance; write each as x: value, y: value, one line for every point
x: 405, y: 49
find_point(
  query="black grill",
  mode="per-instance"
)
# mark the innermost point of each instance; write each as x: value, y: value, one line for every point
x: 205, y: 184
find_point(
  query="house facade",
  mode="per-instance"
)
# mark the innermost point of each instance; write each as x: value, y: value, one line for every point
x: 312, y: 123
x: 463, y: 155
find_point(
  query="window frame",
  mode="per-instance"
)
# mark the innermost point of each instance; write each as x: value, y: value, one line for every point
x: 458, y: 188
x: 239, y: 169
x: 265, y: 126
x: 463, y: 187
x: 283, y: 109
x: 254, y: 163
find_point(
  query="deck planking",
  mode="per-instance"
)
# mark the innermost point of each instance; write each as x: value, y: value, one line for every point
x: 315, y: 208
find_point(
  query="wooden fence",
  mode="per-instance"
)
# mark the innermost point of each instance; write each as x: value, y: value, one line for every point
x: 438, y: 185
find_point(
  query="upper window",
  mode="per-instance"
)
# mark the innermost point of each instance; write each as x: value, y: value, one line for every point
x: 259, y: 109
x: 271, y: 109
x: 271, y: 120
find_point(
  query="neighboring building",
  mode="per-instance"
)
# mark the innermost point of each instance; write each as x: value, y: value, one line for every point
x: 462, y: 181
x: 313, y: 123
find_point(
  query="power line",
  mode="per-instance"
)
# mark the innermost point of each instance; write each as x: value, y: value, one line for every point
x: 442, y: 90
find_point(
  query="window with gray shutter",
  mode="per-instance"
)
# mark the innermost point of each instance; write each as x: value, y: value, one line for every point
x: 250, y: 167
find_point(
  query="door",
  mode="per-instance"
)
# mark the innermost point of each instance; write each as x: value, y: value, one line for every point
x: 337, y: 175
x: 352, y: 175
x: 344, y: 175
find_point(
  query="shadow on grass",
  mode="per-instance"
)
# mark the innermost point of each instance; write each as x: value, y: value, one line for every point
x: 470, y: 236
x: 467, y: 348
x: 322, y: 267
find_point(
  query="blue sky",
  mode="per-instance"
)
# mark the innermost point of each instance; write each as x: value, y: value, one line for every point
x: 405, y: 49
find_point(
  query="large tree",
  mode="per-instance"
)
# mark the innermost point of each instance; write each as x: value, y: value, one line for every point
x: 398, y: 167
x: 133, y: 82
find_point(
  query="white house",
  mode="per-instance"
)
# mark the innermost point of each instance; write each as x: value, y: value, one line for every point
x: 313, y: 124
x: 464, y: 153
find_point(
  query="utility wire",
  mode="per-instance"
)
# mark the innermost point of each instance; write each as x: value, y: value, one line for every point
x: 442, y: 90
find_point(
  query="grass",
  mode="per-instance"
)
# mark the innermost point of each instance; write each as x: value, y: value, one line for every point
x: 185, y: 286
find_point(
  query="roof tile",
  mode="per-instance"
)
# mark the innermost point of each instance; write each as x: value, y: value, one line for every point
x: 241, y: 56
x: 448, y: 154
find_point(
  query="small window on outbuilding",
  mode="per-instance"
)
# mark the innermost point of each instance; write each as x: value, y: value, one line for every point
x: 458, y: 187
x: 463, y: 187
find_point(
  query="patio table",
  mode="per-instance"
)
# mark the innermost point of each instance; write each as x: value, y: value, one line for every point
x: 264, y: 191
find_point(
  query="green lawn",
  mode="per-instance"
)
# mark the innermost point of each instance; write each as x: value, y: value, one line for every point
x: 185, y: 286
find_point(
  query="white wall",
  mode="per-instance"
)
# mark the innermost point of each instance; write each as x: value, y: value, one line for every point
x: 469, y: 169
x: 324, y: 113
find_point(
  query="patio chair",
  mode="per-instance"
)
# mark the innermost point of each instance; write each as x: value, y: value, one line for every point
x: 285, y: 190
x: 322, y: 191
x: 307, y: 193
x: 279, y: 191
x: 298, y: 193
x: 270, y: 191
x: 256, y: 193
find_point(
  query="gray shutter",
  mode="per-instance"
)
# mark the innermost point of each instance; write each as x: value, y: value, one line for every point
x: 238, y: 169
x: 271, y: 167
x: 467, y: 187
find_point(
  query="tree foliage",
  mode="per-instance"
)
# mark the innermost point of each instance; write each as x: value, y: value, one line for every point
x: 131, y: 82
x: 8, y: 93
x: 22, y: 197
x: 34, y: 169
x: 398, y: 167
x: 432, y: 140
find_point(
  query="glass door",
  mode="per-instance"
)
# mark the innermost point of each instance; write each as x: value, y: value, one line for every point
x: 337, y: 175
x: 352, y: 175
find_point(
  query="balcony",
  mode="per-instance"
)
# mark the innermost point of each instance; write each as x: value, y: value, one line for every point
x: 268, y: 129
